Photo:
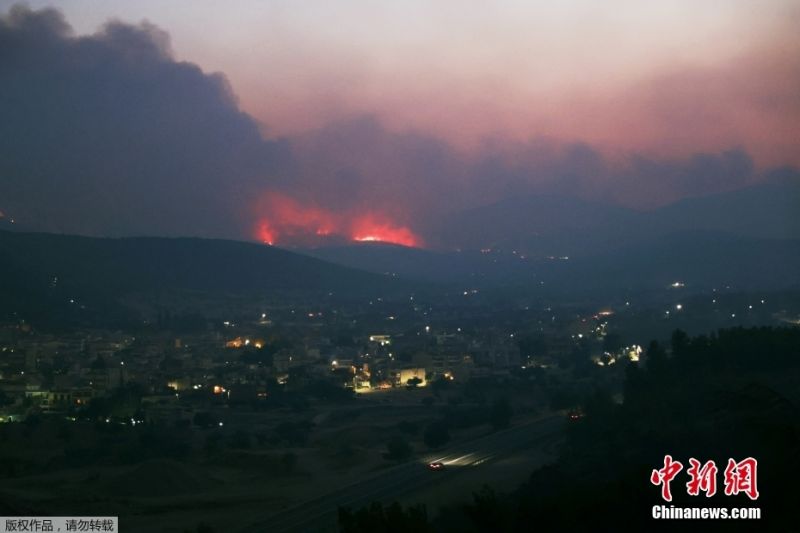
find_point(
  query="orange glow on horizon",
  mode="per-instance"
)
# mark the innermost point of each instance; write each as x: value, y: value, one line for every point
x: 283, y: 219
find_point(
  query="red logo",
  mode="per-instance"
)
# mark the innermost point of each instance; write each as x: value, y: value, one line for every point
x: 665, y: 476
x: 739, y: 477
x: 702, y: 478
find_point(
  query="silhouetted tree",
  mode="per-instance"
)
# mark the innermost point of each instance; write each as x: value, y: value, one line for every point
x: 376, y: 518
x: 679, y: 343
x: 413, y: 383
x: 656, y: 358
x: 489, y: 512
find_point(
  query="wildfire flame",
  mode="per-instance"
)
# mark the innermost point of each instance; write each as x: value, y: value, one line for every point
x: 284, y: 220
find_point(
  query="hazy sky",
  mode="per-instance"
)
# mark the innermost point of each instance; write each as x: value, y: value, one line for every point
x: 390, y: 100
x: 620, y: 73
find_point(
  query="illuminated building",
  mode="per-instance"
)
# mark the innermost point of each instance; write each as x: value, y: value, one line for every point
x: 411, y: 373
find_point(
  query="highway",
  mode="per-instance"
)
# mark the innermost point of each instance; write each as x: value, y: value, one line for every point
x: 320, y: 514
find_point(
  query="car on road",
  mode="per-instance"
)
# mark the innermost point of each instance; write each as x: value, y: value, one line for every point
x: 575, y: 414
x: 436, y: 465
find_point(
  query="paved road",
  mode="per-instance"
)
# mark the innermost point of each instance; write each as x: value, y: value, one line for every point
x: 320, y: 514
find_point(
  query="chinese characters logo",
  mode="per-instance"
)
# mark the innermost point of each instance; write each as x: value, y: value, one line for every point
x: 739, y: 477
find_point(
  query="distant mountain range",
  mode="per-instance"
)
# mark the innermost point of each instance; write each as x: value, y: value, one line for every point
x: 768, y: 211
x: 703, y: 260
x: 749, y: 237
x: 541, y: 225
x: 558, y: 225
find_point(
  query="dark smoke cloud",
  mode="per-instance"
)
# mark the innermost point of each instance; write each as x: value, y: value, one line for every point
x: 359, y: 162
x: 108, y: 134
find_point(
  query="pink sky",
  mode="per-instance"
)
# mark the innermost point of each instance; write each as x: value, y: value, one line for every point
x: 666, y: 78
